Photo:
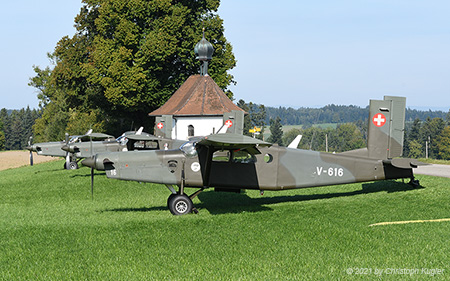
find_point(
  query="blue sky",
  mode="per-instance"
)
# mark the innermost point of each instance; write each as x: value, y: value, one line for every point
x: 289, y: 53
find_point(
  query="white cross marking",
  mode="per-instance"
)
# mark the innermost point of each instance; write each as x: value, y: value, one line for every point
x: 379, y: 120
x: 229, y: 123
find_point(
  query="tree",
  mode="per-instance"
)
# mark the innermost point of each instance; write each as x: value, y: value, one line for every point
x: 349, y: 137
x: 2, y: 136
x: 128, y: 57
x: 415, y: 149
x: 443, y: 144
x: 410, y: 135
x: 4, y: 118
x: 27, y: 122
x: 429, y: 131
x: 276, y: 133
x: 447, y: 118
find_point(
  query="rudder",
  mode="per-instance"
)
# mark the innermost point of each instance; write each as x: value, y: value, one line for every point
x: 386, y: 127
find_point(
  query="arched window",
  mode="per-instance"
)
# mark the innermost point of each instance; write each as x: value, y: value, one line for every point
x: 190, y: 131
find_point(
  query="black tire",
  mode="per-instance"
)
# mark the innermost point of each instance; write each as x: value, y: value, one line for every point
x: 72, y: 166
x: 170, y: 199
x: 180, y: 205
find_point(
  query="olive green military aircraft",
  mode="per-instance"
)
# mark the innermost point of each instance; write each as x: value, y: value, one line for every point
x: 232, y: 162
x: 54, y: 149
x: 84, y: 146
x: 75, y: 148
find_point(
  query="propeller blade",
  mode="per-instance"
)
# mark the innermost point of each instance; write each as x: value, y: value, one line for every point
x: 92, y: 183
x: 67, y: 152
x: 67, y: 160
x: 30, y: 148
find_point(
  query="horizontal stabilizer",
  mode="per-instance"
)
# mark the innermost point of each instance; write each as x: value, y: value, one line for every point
x: 404, y: 163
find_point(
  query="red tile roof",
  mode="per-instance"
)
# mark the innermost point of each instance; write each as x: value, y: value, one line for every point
x: 199, y: 95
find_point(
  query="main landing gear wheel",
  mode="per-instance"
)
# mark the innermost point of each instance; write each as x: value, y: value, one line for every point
x: 72, y: 166
x: 170, y: 199
x: 180, y: 204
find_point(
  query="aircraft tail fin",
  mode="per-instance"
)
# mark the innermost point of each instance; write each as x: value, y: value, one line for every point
x: 386, y: 127
x: 233, y: 122
x: 163, y: 126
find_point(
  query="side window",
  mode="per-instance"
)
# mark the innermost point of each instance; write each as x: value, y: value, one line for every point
x: 190, y: 131
x: 242, y: 156
x: 221, y: 156
x: 142, y: 145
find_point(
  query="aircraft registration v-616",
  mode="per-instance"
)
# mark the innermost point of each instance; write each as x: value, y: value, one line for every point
x: 231, y: 162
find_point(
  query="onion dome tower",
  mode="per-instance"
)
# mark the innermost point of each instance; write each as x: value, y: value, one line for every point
x: 199, y: 106
x: 203, y: 51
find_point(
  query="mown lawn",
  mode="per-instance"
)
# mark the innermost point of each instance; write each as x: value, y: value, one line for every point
x: 51, y: 229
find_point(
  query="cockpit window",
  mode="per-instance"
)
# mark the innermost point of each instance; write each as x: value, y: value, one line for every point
x: 145, y: 145
x: 242, y: 156
x: 221, y: 156
x: 189, y: 149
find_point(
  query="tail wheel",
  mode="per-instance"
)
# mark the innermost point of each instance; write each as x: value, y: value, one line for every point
x: 180, y: 204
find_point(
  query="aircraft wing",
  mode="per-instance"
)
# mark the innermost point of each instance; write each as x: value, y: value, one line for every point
x: 233, y: 141
x: 142, y: 137
x: 95, y: 136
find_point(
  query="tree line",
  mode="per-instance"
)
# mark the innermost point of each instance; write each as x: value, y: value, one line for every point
x: 427, y: 135
x: 16, y: 127
x: 336, y: 114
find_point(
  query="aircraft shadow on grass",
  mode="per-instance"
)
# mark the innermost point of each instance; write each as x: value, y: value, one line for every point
x: 88, y: 175
x: 228, y: 203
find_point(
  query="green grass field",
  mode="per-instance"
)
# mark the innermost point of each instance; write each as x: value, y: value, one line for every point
x: 51, y: 229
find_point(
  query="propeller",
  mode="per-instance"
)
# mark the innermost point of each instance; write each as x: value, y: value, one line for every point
x: 92, y: 170
x: 90, y: 162
x: 93, y: 163
x: 67, y: 153
x: 92, y: 183
x: 30, y: 148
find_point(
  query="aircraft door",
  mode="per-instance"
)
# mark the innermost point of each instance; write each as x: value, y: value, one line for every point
x: 267, y: 169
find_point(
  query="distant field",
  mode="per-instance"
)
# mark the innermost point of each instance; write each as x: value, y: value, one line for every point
x: 18, y: 158
x: 51, y: 229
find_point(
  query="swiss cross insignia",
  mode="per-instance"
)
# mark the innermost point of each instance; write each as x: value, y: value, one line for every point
x: 379, y: 120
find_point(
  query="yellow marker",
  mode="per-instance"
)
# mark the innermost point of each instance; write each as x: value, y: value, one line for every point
x: 405, y: 222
